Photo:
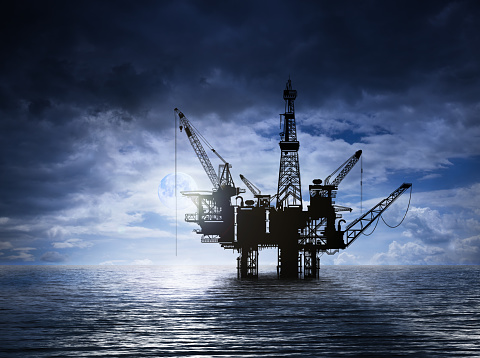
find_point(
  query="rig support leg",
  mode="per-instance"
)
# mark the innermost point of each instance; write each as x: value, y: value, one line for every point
x: 311, y: 263
x: 288, y: 265
x: 249, y: 262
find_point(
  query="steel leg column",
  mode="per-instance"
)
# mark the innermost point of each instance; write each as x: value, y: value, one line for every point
x: 249, y: 262
x: 311, y: 263
x: 288, y: 262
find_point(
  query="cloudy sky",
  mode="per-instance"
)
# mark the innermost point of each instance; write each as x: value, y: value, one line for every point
x: 87, y: 128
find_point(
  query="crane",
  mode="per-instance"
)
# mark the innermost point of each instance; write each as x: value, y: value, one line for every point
x: 347, y: 166
x: 359, y: 225
x: 215, y: 214
x: 224, y: 177
x: 316, y: 225
x: 254, y: 190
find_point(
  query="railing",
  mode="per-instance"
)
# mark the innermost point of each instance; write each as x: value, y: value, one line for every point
x: 207, y: 239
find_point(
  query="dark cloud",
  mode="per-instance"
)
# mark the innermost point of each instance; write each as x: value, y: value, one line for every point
x: 128, y: 56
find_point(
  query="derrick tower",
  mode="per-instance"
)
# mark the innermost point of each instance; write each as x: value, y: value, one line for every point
x: 289, y: 192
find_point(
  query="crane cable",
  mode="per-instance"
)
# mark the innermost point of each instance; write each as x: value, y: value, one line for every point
x: 205, y: 141
x: 361, y: 185
x: 378, y: 219
x: 404, y: 216
x: 202, y: 138
x: 392, y: 227
x: 361, y: 202
x: 176, y: 198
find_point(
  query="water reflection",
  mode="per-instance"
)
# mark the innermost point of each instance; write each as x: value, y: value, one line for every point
x: 192, y: 311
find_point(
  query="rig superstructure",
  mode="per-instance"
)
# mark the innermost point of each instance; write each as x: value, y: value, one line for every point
x: 277, y: 221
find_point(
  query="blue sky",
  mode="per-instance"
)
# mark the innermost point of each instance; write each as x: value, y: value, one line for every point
x: 87, y: 92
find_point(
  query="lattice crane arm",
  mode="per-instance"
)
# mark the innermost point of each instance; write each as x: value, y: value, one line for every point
x: 193, y: 137
x: 359, y: 225
x: 347, y: 166
x: 250, y: 185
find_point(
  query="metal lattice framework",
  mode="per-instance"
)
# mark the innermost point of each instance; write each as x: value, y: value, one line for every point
x: 210, y: 239
x: 198, y: 148
x: 289, y: 185
x: 313, y: 233
x: 247, y: 264
x: 289, y: 192
x: 359, y: 225
x: 347, y: 166
x: 207, y: 210
x: 252, y: 187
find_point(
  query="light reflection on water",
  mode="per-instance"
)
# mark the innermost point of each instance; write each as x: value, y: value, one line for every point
x: 158, y: 311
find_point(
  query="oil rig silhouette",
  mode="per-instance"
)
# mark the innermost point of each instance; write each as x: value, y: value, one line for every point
x: 277, y: 221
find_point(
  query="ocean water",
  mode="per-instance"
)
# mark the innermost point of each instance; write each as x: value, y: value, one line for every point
x: 158, y: 311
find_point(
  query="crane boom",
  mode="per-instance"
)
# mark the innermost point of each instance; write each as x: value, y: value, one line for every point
x: 198, y: 148
x: 250, y: 186
x: 359, y: 225
x: 347, y: 166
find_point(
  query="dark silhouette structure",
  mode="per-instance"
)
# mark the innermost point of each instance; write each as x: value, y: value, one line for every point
x: 278, y: 221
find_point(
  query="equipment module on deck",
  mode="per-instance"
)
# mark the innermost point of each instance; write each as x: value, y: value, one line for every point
x: 300, y: 236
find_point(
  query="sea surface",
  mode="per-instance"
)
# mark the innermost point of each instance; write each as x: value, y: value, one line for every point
x: 170, y: 311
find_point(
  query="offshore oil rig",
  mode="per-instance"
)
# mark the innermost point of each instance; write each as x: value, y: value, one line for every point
x: 277, y: 221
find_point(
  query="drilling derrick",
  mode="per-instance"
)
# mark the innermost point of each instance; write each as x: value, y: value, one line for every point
x: 301, y: 236
x: 288, y: 212
x: 289, y: 192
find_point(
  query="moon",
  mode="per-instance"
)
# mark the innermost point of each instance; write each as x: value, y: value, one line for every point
x: 166, y: 190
